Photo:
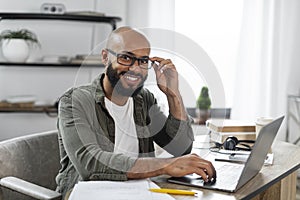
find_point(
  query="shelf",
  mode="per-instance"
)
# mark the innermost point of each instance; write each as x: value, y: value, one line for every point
x: 42, y: 64
x: 49, y: 109
x: 68, y: 17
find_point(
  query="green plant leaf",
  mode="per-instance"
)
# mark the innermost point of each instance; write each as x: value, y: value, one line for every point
x: 24, y: 34
x: 203, y: 101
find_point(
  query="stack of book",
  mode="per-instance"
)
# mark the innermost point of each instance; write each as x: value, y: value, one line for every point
x: 18, y: 101
x: 86, y: 59
x: 220, y: 129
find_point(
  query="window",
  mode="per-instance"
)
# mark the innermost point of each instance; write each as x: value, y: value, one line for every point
x: 215, y: 26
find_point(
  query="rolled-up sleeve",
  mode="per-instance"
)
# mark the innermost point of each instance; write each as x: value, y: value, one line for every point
x: 80, y: 141
x: 173, y: 135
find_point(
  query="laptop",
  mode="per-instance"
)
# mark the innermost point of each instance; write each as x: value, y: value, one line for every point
x: 232, y: 176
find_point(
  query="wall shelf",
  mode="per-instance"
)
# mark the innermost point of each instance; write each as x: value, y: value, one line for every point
x: 50, y: 110
x: 43, y: 64
x: 69, y: 17
x: 91, y: 17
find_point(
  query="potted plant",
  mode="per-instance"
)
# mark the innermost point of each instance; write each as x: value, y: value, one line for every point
x: 203, y: 105
x: 15, y: 44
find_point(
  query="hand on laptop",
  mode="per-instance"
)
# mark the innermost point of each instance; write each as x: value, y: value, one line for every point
x: 189, y: 164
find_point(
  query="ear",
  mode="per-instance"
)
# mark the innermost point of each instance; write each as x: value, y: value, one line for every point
x: 104, y: 58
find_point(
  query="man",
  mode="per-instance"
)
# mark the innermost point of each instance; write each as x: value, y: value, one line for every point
x: 107, y: 129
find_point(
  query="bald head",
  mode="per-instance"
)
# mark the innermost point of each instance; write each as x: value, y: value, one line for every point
x: 127, y: 39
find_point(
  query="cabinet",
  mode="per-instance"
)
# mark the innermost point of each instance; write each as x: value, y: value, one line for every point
x: 89, y: 18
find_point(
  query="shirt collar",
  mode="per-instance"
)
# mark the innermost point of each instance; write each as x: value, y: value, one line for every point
x: 98, y: 90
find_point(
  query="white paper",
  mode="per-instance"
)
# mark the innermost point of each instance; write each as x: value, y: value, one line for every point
x: 243, y: 158
x: 117, y: 190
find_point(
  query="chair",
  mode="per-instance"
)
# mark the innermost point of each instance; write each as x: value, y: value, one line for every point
x: 217, y: 113
x: 28, y: 166
x: 221, y: 113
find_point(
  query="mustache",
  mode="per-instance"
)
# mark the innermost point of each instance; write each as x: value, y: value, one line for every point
x: 131, y: 73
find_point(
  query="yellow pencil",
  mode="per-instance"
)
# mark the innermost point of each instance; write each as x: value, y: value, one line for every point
x: 172, y: 191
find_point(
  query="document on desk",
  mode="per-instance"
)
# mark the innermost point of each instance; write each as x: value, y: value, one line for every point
x: 117, y: 190
x: 240, y: 158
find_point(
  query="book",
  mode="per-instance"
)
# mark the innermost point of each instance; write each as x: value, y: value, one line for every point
x: 220, y: 137
x: 86, y: 59
x: 21, y: 99
x: 80, y: 61
x: 228, y: 125
x: 88, y: 56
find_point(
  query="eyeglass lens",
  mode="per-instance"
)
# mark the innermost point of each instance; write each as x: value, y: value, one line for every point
x: 128, y: 60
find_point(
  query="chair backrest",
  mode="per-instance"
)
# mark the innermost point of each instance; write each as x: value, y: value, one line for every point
x: 34, y: 158
x: 223, y: 113
x: 214, y: 112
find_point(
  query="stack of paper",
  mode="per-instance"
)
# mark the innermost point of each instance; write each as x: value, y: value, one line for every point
x: 117, y: 190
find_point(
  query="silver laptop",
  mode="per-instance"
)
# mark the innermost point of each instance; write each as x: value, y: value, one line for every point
x: 232, y: 176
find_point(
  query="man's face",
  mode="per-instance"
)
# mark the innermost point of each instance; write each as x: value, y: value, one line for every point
x: 125, y: 82
x: 125, y: 51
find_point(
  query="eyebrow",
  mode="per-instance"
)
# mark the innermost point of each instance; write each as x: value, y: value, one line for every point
x: 128, y: 52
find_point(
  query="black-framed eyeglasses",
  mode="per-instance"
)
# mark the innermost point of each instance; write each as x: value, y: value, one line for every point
x: 129, y: 60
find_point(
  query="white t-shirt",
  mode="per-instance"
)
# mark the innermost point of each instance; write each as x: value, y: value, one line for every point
x: 126, y: 141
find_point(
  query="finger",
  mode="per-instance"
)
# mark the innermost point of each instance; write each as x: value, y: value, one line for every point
x: 202, y: 173
x: 155, y: 66
x: 161, y: 61
x: 165, y: 62
x: 207, y: 167
x: 157, y: 59
x: 167, y: 67
x: 157, y: 71
x: 161, y: 68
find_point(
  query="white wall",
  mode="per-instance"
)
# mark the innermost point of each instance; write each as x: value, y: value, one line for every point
x: 56, y: 38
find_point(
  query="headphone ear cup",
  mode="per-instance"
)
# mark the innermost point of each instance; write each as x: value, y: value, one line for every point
x: 230, y: 143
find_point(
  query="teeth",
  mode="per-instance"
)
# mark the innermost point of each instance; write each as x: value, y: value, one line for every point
x: 131, y: 78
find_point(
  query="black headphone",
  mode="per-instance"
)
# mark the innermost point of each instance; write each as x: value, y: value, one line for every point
x: 231, y: 143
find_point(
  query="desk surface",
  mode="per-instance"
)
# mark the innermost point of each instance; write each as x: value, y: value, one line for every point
x: 286, y: 161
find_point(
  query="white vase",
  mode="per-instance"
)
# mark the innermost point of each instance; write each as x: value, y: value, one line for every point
x: 15, y: 50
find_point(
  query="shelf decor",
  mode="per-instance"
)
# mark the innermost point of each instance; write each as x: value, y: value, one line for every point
x: 16, y: 44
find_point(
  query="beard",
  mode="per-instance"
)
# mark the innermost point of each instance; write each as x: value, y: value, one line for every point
x: 114, y: 79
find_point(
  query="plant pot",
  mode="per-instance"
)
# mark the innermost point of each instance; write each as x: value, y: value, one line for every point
x: 202, y: 116
x: 15, y: 50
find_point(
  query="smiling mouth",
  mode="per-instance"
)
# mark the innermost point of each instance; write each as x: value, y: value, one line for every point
x: 132, y: 79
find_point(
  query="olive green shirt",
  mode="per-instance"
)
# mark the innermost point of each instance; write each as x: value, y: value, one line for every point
x: 86, y: 135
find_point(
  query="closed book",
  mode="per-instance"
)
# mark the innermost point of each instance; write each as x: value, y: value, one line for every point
x: 220, y: 137
x: 228, y: 125
x: 86, y: 61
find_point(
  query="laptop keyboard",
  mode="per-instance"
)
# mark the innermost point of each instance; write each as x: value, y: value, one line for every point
x: 228, y: 173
